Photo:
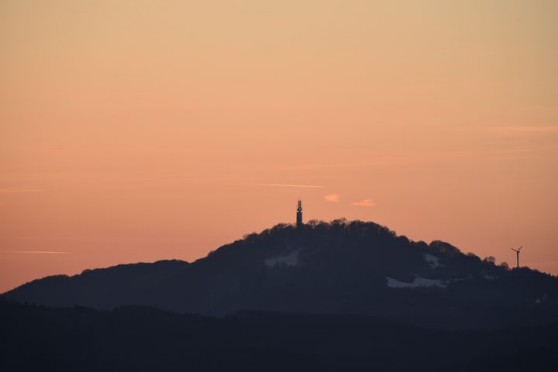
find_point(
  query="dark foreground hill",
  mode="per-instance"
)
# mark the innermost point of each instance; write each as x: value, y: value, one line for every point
x: 330, y: 268
x: 34, y: 338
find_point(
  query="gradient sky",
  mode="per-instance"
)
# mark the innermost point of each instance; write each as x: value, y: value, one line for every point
x: 135, y: 130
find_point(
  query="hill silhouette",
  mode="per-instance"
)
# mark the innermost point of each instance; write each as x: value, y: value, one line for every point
x: 146, y: 339
x: 339, y: 267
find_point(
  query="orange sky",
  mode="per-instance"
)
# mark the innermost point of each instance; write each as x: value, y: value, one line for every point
x: 136, y: 130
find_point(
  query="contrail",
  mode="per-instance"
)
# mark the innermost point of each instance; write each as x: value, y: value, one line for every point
x: 285, y: 185
x: 17, y: 190
x: 37, y: 252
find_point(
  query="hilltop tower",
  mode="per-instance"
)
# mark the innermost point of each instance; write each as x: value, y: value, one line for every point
x: 299, y: 215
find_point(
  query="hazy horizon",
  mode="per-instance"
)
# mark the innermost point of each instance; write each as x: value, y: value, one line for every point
x: 139, y: 130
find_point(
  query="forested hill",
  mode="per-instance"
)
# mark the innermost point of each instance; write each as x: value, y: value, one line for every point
x: 339, y: 267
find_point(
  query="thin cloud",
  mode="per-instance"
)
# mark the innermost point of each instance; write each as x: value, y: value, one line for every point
x: 17, y: 190
x: 525, y: 129
x: 334, y: 198
x: 365, y: 203
x: 37, y: 252
x: 391, y: 161
x: 286, y: 185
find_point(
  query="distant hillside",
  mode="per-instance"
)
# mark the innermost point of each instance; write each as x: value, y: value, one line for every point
x: 145, y: 339
x: 338, y: 267
x: 100, y: 288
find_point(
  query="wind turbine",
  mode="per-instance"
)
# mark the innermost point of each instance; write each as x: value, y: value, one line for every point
x: 517, y: 254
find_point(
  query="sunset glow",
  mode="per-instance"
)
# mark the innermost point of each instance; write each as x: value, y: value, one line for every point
x: 139, y: 130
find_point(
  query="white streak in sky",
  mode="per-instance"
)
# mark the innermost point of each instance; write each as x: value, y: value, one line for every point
x: 17, y: 190
x: 286, y: 185
x: 526, y: 130
x: 37, y: 252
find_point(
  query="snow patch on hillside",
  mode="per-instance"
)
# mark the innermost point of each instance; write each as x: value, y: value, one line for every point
x: 432, y: 260
x: 289, y: 260
x: 418, y: 282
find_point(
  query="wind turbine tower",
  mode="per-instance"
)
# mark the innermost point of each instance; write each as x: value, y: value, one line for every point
x: 517, y: 251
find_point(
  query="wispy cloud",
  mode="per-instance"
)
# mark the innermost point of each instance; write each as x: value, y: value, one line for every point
x: 365, y: 203
x: 383, y: 161
x: 17, y: 190
x: 286, y: 185
x: 37, y: 252
x: 334, y: 198
x: 526, y: 129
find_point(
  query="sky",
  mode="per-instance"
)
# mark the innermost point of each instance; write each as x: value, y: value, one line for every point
x: 136, y: 130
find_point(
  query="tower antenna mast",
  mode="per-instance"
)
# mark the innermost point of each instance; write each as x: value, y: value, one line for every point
x: 299, y: 215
